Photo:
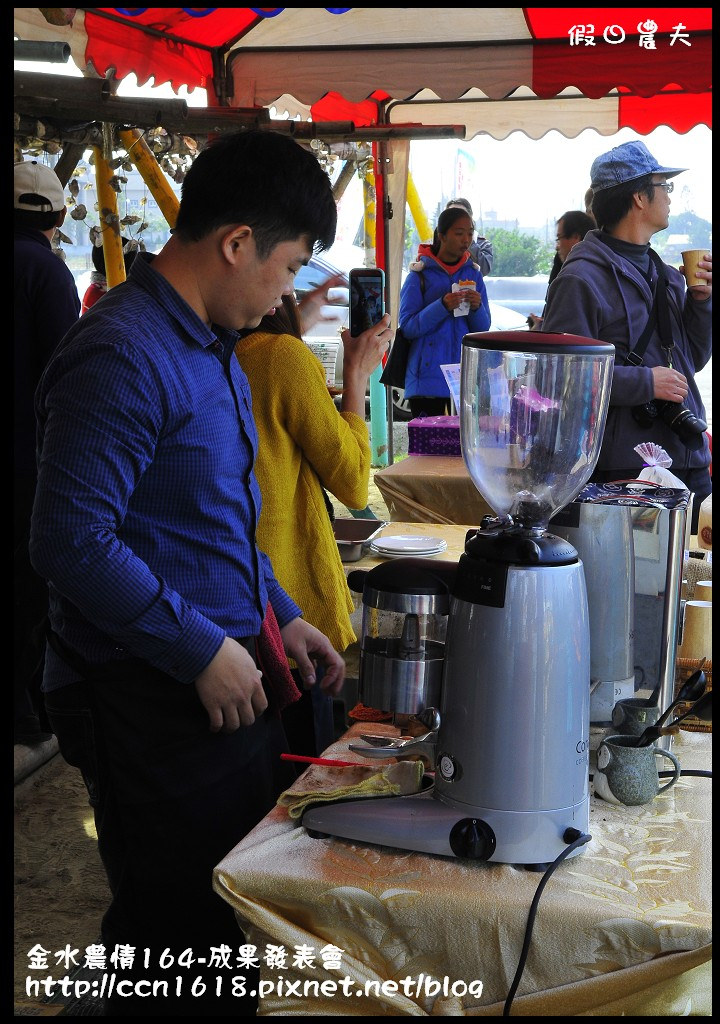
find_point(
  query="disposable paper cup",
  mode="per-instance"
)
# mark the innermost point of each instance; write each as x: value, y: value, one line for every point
x: 697, y: 630
x: 703, y: 590
x: 691, y: 258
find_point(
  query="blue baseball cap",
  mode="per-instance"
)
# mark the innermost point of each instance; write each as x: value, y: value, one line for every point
x: 624, y: 163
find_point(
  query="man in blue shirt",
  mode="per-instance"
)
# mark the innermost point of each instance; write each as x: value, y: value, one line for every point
x: 45, y: 305
x: 163, y: 681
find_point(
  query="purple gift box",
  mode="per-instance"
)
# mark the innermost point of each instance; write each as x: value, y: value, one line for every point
x: 434, y: 435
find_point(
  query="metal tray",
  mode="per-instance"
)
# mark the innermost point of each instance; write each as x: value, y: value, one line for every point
x: 353, y: 536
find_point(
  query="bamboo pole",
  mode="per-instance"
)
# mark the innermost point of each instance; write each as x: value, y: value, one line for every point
x: 109, y: 220
x: 417, y: 211
x: 144, y: 159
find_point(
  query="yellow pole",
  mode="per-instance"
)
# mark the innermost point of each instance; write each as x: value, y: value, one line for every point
x: 417, y: 211
x: 378, y: 419
x: 369, y: 216
x: 144, y: 159
x: 109, y: 221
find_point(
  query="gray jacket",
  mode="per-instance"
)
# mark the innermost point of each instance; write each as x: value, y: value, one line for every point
x: 599, y: 294
x: 481, y: 251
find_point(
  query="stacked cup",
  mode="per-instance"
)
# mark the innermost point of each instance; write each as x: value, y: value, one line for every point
x: 697, y: 631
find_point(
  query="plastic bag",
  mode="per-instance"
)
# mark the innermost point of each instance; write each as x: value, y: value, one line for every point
x: 657, y: 466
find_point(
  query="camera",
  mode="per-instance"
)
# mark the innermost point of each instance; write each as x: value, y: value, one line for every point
x: 689, y: 428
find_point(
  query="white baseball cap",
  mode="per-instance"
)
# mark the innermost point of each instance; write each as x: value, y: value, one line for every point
x: 34, y: 179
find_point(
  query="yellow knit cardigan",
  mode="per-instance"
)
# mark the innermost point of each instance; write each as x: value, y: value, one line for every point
x: 303, y: 441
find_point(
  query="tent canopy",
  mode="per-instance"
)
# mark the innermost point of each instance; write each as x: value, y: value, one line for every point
x: 495, y: 71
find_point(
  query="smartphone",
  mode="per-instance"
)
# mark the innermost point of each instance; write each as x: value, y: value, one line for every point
x: 367, y: 298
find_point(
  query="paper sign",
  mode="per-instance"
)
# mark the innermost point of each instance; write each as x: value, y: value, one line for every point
x: 451, y: 373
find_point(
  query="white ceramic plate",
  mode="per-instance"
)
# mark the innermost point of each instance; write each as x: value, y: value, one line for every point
x: 406, y: 554
x: 408, y: 545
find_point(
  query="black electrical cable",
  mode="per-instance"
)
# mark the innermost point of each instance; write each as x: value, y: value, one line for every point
x: 700, y: 773
x: 580, y: 839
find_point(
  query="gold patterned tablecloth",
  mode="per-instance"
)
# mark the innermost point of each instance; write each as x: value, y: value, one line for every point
x: 431, y: 489
x: 622, y: 929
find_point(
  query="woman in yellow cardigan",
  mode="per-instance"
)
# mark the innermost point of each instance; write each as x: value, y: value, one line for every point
x: 305, y: 445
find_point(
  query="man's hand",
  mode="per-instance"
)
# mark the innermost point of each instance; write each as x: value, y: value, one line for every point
x: 669, y: 385
x: 230, y: 688
x: 306, y: 644
x: 702, y: 292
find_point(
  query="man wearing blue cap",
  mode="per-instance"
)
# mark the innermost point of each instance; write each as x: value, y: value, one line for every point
x: 614, y: 287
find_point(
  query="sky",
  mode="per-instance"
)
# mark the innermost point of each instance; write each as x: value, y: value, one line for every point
x: 536, y: 180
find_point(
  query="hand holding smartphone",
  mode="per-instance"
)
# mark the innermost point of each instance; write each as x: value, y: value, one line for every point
x: 367, y: 298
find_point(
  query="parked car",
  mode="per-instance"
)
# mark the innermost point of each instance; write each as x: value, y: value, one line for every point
x: 523, y: 294
x: 325, y: 335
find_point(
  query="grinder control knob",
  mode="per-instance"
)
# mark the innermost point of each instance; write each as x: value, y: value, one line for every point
x: 473, y: 838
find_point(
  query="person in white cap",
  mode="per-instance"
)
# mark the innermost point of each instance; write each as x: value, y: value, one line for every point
x: 46, y: 304
x: 614, y: 287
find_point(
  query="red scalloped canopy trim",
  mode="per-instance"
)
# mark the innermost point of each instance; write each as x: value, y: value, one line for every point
x: 681, y: 113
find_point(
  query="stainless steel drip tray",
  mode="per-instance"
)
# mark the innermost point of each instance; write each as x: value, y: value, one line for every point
x: 353, y: 536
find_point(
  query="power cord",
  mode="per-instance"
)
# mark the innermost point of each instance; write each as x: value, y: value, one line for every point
x: 699, y: 773
x: 575, y: 838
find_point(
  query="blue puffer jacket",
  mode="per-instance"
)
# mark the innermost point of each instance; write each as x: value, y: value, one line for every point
x: 436, y: 335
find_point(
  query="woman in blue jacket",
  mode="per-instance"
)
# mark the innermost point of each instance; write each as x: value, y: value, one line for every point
x: 427, y: 310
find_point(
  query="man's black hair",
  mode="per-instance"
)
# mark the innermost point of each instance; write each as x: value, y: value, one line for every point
x: 610, y: 205
x: 36, y: 220
x: 265, y: 180
x: 98, y: 257
x: 576, y: 222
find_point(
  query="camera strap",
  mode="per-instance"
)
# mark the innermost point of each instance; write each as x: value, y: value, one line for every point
x: 659, y: 314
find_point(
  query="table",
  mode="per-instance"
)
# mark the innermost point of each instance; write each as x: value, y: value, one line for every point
x: 622, y: 929
x: 431, y: 489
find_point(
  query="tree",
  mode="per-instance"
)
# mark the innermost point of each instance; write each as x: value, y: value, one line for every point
x: 518, y: 255
x: 698, y: 231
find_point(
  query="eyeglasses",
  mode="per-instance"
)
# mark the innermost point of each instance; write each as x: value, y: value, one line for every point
x: 667, y: 185
x: 560, y: 238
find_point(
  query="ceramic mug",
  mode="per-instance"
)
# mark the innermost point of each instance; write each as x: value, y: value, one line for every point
x: 633, y: 715
x: 627, y: 774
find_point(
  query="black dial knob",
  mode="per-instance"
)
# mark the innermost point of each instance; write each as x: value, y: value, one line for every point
x: 472, y: 838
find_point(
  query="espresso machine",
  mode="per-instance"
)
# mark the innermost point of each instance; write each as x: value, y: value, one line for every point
x: 510, y: 739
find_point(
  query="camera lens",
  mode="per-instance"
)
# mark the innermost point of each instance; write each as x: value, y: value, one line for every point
x: 688, y: 427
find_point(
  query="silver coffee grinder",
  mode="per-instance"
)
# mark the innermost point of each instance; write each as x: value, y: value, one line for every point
x: 511, y: 751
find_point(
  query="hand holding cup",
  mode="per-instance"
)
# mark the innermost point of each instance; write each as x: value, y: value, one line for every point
x: 697, y: 268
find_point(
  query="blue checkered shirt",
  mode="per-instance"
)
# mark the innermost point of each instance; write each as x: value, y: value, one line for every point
x: 147, y: 505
